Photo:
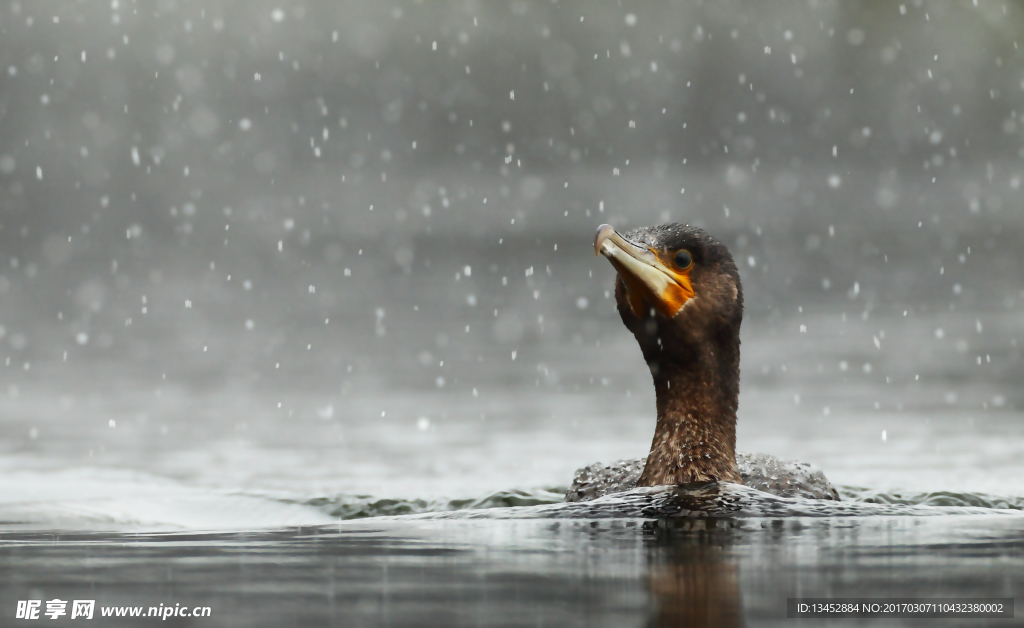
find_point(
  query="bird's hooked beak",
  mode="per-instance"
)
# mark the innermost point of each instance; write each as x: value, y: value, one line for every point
x: 645, y: 274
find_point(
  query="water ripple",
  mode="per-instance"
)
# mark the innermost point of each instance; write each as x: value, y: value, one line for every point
x: 710, y: 500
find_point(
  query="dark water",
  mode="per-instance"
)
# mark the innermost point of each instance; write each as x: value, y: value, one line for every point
x: 718, y: 572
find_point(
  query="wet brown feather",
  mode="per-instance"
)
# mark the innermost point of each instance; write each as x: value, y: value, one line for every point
x: 694, y: 360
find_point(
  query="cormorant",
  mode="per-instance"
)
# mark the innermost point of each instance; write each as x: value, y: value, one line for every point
x: 678, y: 290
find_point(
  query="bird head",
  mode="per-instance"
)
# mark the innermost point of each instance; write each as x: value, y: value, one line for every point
x: 676, y: 286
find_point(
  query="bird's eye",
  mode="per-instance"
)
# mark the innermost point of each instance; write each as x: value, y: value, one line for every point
x: 683, y: 259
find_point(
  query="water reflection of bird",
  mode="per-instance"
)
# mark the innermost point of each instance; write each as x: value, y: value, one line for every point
x: 678, y: 290
x: 693, y: 574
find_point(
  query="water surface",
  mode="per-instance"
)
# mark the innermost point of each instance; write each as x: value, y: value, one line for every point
x: 525, y: 572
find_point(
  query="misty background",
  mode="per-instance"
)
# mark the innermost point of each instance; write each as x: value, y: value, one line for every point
x: 303, y: 246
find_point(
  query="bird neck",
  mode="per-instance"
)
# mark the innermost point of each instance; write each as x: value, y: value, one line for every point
x: 697, y: 397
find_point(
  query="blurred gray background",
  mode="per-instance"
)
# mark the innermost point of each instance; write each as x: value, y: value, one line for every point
x: 332, y: 232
